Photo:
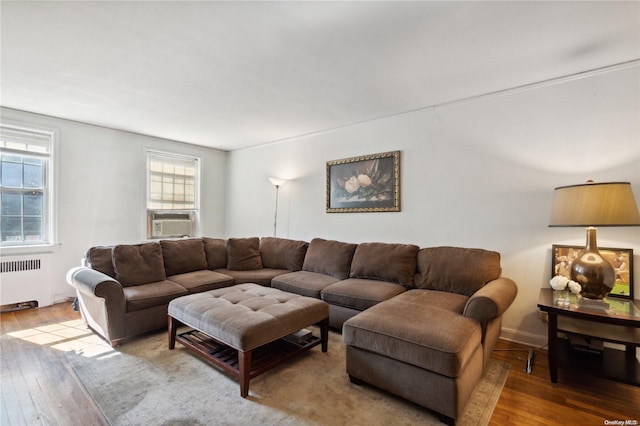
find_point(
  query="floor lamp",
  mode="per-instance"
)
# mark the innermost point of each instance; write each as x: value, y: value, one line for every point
x: 276, y: 182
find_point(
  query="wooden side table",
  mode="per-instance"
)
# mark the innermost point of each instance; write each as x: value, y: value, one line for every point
x: 619, y: 324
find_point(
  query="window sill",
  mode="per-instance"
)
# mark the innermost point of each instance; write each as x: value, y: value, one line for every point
x: 29, y: 250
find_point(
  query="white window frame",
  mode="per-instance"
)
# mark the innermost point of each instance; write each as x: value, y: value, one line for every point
x: 152, y: 212
x: 46, y: 138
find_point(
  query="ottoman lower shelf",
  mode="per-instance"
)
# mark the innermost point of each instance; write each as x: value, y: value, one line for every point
x: 262, y: 359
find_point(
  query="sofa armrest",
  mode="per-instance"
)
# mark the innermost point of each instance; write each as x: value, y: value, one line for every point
x: 491, y: 301
x: 102, y: 302
x: 94, y: 283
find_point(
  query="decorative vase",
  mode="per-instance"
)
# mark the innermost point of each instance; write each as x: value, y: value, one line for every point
x: 592, y: 271
x: 562, y: 298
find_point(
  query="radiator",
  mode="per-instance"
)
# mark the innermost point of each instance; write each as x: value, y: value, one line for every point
x: 24, y: 279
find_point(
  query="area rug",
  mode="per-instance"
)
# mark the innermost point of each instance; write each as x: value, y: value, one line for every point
x: 144, y: 383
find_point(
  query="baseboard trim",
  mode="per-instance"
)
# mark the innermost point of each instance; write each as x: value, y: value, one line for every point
x: 524, y: 338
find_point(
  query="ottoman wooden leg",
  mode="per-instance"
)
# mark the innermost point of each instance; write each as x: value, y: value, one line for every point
x: 244, y: 361
x: 324, y: 334
x: 173, y: 327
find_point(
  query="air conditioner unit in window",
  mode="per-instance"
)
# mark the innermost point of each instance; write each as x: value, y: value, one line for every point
x: 166, y: 228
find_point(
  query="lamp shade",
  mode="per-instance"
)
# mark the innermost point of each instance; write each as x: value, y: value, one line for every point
x: 595, y: 204
x: 277, y: 181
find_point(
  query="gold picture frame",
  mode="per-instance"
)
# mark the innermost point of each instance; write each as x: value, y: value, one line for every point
x: 369, y: 183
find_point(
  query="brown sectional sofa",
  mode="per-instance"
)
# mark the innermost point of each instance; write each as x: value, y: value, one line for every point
x: 419, y: 323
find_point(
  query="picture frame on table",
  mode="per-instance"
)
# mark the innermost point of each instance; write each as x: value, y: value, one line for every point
x: 621, y: 259
x: 368, y: 183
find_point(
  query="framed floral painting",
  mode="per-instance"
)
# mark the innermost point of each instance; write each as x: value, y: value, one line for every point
x: 621, y: 259
x: 370, y: 183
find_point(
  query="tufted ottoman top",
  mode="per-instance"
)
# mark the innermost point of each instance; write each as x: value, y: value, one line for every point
x: 247, y: 316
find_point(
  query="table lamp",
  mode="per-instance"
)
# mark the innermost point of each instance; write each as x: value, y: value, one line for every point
x: 594, y: 204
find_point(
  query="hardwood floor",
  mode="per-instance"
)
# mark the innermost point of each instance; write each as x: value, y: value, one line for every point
x: 531, y: 399
x: 36, y: 384
x: 38, y: 388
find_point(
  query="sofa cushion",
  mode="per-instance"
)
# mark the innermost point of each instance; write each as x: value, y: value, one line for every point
x: 385, y: 262
x: 305, y: 283
x: 243, y: 254
x: 453, y: 302
x: 261, y: 276
x: 145, y: 296
x: 329, y: 257
x: 138, y: 264
x: 428, y: 337
x: 216, y: 252
x: 455, y: 269
x: 203, y: 280
x: 360, y: 294
x: 281, y: 253
x: 182, y: 256
x: 100, y: 258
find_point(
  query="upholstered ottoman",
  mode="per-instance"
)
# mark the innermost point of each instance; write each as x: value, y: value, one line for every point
x: 231, y: 323
x: 425, y: 354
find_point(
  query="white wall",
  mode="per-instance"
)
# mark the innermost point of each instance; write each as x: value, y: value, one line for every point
x: 476, y: 174
x: 101, y: 189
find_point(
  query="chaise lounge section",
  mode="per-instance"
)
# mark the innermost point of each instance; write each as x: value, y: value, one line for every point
x: 430, y: 344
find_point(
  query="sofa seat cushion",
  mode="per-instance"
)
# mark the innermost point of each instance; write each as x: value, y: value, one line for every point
x: 305, y: 283
x: 453, y: 302
x: 204, y: 280
x: 145, y: 296
x: 360, y: 294
x: 428, y: 337
x: 257, y: 276
x: 182, y: 256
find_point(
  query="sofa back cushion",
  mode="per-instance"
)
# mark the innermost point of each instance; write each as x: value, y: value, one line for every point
x: 385, y: 262
x: 182, y: 256
x: 138, y: 264
x: 216, y: 252
x: 243, y: 254
x: 329, y: 257
x: 281, y: 253
x: 100, y: 258
x: 455, y: 269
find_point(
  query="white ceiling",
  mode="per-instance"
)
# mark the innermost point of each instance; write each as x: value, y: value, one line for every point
x: 236, y: 74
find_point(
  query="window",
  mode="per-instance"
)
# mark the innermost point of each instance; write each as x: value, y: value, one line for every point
x: 25, y: 186
x: 172, y: 195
